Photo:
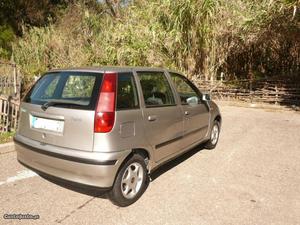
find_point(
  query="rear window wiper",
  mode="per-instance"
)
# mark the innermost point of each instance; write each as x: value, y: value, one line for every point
x: 53, y: 103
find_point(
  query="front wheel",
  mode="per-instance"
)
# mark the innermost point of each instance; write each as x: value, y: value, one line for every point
x: 131, y: 182
x: 214, y: 136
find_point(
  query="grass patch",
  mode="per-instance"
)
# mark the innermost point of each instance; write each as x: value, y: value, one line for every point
x: 6, y: 137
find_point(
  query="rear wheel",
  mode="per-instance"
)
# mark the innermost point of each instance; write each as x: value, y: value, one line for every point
x: 131, y: 182
x: 214, y: 136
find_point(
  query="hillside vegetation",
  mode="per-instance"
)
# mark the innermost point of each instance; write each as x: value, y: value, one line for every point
x: 199, y: 37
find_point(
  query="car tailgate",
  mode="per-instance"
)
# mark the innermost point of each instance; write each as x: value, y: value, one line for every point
x: 64, y: 127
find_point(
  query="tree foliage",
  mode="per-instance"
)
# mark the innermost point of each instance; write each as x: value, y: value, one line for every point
x: 15, y: 15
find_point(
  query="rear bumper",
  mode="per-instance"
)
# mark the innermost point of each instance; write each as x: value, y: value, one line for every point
x: 88, y: 168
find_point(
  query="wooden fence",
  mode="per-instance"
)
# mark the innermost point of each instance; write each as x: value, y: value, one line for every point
x: 280, y: 92
x: 9, y: 113
x: 10, y: 87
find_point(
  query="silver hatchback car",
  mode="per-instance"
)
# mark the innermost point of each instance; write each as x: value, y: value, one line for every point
x: 110, y: 127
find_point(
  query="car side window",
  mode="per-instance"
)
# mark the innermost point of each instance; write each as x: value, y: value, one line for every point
x: 156, y: 89
x: 188, y: 93
x: 127, y: 97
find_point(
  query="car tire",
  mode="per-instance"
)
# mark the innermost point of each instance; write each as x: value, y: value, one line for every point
x: 131, y: 182
x: 214, y: 136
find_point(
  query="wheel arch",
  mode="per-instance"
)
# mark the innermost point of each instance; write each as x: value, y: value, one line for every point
x: 141, y: 151
x: 218, y: 118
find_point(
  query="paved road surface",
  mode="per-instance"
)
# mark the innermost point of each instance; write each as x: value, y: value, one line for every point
x: 252, y: 177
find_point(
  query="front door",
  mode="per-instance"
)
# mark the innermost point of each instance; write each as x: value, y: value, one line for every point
x: 196, y: 112
x: 163, y: 121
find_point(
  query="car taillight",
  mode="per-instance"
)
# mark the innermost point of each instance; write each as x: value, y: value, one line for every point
x: 105, y: 111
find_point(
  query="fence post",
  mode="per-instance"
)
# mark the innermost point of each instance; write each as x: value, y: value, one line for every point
x: 8, y: 112
x: 251, y: 76
x: 15, y: 78
x: 251, y: 91
x: 276, y: 95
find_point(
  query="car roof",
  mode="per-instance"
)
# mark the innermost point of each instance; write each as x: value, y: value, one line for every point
x: 103, y: 69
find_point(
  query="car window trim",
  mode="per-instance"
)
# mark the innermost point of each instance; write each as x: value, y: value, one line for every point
x: 159, y: 106
x: 123, y: 109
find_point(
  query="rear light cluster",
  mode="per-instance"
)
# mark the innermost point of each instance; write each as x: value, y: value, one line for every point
x: 105, y: 111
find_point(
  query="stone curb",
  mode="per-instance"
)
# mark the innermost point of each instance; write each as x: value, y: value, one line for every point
x: 7, y: 147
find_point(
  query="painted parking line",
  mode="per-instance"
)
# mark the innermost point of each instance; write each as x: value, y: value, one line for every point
x: 21, y: 175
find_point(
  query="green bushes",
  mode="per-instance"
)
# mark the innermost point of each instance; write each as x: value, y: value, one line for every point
x: 6, y: 37
x: 200, y: 37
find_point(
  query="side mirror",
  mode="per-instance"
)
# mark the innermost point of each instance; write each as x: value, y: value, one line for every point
x: 206, y: 97
x: 192, y: 100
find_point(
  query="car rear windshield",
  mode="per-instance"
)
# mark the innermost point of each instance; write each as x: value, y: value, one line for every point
x: 66, y: 89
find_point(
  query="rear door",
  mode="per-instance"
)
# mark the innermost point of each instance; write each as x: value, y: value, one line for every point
x: 163, y: 122
x: 59, y: 110
x: 195, y: 111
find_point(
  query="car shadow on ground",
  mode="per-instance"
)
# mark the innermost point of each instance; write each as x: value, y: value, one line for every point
x: 174, y: 162
x: 103, y: 193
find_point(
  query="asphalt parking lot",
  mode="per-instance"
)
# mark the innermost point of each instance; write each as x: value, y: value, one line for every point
x: 252, y: 177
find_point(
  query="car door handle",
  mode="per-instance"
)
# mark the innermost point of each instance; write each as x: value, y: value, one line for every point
x: 152, y: 118
x: 186, y: 113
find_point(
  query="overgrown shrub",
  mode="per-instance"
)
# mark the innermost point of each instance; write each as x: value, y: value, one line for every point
x: 6, y: 37
x: 200, y: 37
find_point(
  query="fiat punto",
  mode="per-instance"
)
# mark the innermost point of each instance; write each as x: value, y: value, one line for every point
x: 110, y: 127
